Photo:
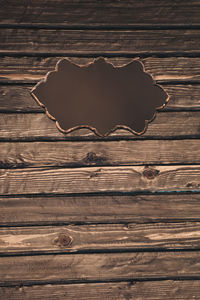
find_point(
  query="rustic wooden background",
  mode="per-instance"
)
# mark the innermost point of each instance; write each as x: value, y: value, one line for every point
x: 86, y: 218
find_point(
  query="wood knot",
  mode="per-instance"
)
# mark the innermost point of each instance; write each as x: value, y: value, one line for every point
x: 150, y: 173
x: 91, y: 157
x: 63, y: 240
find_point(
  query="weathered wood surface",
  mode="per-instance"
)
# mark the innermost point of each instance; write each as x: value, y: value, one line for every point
x: 99, y: 209
x: 99, y: 42
x: 92, y: 212
x: 119, y: 237
x: 165, y: 69
x: 104, y: 13
x: 17, y: 98
x: 38, y: 126
x: 97, y: 153
x: 99, y: 179
x: 100, y: 267
x: 151, y: 290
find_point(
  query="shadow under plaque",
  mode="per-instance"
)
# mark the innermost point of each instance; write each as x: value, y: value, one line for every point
x: 100, y: 97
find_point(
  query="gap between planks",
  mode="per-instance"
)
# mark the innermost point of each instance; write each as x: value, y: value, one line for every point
x: 100, y: 27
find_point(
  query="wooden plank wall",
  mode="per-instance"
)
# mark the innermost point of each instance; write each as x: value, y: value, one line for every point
x: 86, y: 218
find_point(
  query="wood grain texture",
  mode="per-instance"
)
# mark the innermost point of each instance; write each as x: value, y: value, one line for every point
x: 99, y: 42
x: 108, y: 266
x: 38, y: 126
x: 100, y: 237
x: 17, y: 98
x: 165, y: 69
x: 154, y: 227
x: 104, y: 13
x: 99, y: 179
x: 99, y: 209
x: 151, y: 290
x: 90, y: 153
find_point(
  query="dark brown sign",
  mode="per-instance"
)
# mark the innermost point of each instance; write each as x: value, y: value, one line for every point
x: 100, y: 97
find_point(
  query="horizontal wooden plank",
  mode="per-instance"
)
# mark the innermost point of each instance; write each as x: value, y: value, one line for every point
x: 99, y: 237
x: 38, y: 126
x: 90, y: 153
x: 31, y: 69
x: 151, y: 290
x: 99, y: 209
x: 99, y: 179
x: 17, y: 98
x: 109, y: 266
x: 183, y: 97
x: 106, y: 13
x: 99, y: 42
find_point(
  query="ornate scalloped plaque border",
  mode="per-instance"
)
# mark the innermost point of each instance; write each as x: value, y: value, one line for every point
x: 100, y: 96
